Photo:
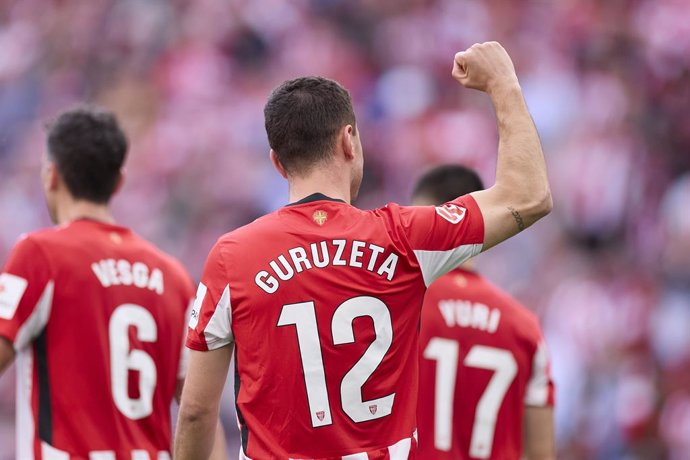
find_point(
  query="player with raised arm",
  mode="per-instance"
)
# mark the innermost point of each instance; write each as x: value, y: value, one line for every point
x: 95, y: 315
x: 322, y: 300
x: 484, y: 373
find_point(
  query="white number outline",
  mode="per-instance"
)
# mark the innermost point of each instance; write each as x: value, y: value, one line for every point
x: 502, y: 362
x: 303, y: 316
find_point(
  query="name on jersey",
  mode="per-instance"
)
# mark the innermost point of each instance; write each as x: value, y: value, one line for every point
x: 361, y: 255
x: 474, y: 315
x: 112, y: 272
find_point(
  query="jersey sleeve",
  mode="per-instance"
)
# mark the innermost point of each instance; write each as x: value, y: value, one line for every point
x: 210, y: 323
x: 26, y: 294
x: 540, y: 387
x: 184, y: 354
x: 443, y: 237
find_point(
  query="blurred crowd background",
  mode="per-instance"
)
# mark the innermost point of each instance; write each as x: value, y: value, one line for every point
x: 608, y: 84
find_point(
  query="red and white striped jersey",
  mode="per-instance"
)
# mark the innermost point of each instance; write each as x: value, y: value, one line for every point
x: 323, y: 301
x: 97, y: 316
x: 482, y: 360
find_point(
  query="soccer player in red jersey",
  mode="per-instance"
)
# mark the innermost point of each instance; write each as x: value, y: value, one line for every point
x: 484, y: 381
x: 321, y: 301
x: 95, y: 315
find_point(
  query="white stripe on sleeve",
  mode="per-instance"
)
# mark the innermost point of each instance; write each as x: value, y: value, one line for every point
x: 25, y: 417
x: 435, y: 264
x: 218, y: 332
x: 196, y: 306
x: 37, y: 320
x: 537, y: 391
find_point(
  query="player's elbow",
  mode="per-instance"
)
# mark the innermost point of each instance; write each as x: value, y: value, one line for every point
x: 532, y: 199
x: 194, y: 414
x: 537, y: 203
x: 528, y: 206
x: 541, y: 204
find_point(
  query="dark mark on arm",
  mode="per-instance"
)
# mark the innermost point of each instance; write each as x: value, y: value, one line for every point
x: 517, y: 217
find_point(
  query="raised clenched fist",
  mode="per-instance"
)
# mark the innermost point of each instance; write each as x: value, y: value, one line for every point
x: 484, y: 66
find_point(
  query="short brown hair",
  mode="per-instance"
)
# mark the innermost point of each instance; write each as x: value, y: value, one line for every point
x: 447, y: 182
x: 88, y: 148
x: 303, y: 117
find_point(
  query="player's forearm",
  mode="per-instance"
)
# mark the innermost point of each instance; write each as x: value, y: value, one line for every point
x: 195, y: 434
x: 220, y: 448
x: 520, y: 171
x: 6, y: 354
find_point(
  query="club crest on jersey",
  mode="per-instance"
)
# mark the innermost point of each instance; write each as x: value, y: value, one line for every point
x: 320, y: 216
x: 321, y: 415
x: 373, y: 408
x: 451, y: 212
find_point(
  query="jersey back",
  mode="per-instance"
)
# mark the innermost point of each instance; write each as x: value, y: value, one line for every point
x: 323, y: 303
x: 97, y: 316
x: 482, y: 359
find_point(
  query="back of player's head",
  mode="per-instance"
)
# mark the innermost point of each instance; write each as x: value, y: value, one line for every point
x: 303, y: 117
x: 88, y: 148
x: 445, y: 183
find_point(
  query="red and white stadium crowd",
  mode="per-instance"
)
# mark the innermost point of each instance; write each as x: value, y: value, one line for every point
x: 608, y: 84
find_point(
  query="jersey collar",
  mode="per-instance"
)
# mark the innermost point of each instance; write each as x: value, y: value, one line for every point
x: 315, y: 197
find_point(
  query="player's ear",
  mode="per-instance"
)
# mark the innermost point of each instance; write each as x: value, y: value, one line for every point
x: 276, y: 164
x: 50, y: 177
x: 347, y: 135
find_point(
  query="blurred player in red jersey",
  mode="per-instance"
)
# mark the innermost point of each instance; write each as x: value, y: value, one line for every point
x: 484, y: 372
x: 95, y: 314
x: 322, y: 301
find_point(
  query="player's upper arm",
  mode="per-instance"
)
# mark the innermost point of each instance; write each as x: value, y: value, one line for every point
x: 200, y: 405
x: 538, y: 434
x: 442, y: 237
x: 26, y: 294
x: 205, y: 379
x: 210, y: 323
x: 505, y: 216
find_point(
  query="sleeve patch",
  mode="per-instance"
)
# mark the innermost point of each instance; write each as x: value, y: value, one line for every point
x: 451, y: 212
x: 196, y: 308
x: 12, y: 289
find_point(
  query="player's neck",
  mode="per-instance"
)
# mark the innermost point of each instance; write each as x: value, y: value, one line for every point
x: 327, y: 184
x: 80, y: 209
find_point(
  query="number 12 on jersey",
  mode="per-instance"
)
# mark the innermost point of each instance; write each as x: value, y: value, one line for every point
x: 303, y: 316
x: 445, y: 352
